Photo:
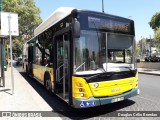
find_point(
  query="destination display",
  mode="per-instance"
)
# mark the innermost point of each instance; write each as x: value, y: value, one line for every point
x: 108, y: 24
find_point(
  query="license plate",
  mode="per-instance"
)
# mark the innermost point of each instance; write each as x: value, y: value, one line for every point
x: 117, y: 99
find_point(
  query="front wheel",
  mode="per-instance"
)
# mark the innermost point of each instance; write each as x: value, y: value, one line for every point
x: 48, y: 84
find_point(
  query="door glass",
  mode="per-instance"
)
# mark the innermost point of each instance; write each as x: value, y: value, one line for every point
x: 62, y: 65
x: 60, y: 53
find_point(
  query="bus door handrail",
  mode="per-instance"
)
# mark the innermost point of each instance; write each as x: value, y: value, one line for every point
x: 80, y: 66
x: 58, y: 72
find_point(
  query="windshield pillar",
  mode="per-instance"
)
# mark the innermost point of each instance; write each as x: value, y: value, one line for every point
x: 134, y: 54
x: 106, y: 52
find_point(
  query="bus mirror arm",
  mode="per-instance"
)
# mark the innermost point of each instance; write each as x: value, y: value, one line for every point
x: 75, y: 28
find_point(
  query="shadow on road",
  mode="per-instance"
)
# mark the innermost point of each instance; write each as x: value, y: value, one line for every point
x: 63, y: 110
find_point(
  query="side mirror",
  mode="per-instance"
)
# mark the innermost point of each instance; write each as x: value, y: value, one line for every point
x: 76, y: 28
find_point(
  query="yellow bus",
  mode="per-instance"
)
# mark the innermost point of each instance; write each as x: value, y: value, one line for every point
x: 87, y: 58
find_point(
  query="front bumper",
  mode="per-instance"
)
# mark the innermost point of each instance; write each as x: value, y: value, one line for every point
x: 92, y: 102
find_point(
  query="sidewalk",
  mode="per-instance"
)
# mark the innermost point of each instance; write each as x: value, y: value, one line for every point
x: 25, y: 97
x: 149, y: 71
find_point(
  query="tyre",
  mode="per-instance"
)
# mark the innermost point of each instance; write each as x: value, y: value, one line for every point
x: 48, y: 84
x: 30, y: 70
x: 26, y: 69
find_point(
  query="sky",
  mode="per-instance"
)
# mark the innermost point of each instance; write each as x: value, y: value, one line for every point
x: 141, y: 11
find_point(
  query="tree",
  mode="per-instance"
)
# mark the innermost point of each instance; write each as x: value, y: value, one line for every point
x: 157, y: 38
x: 141, y: 48
x: 28, y: 17
x: 155, y: 21
x: 155, y: 25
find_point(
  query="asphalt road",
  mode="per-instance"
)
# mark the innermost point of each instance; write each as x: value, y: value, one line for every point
x: 148, y: 100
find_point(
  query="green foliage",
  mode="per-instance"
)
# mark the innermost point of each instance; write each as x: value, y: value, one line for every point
x: 155, y: 25
x: 157, y: 38
x: 138, y: 51
x: 18, y: 46
x: 28, y: 18
x: 141, y: 47
x: 28, y: 14
x: 155, y: 21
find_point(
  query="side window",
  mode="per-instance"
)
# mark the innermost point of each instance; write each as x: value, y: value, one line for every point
x: 46, y: 48
x: 38, y: 56
x: 47, y: 58
x: 60, y: 50
x: 39, y: 49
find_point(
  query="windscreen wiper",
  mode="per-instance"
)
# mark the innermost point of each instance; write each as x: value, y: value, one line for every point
x: 93, y: 76
x: 128, y: 69
x: 99, y: 74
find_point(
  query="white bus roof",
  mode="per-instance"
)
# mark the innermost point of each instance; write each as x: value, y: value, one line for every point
x: 56, y: 16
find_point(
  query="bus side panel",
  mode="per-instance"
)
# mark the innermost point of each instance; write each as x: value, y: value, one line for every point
x: 50, y: 71
x: 39, y: 73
